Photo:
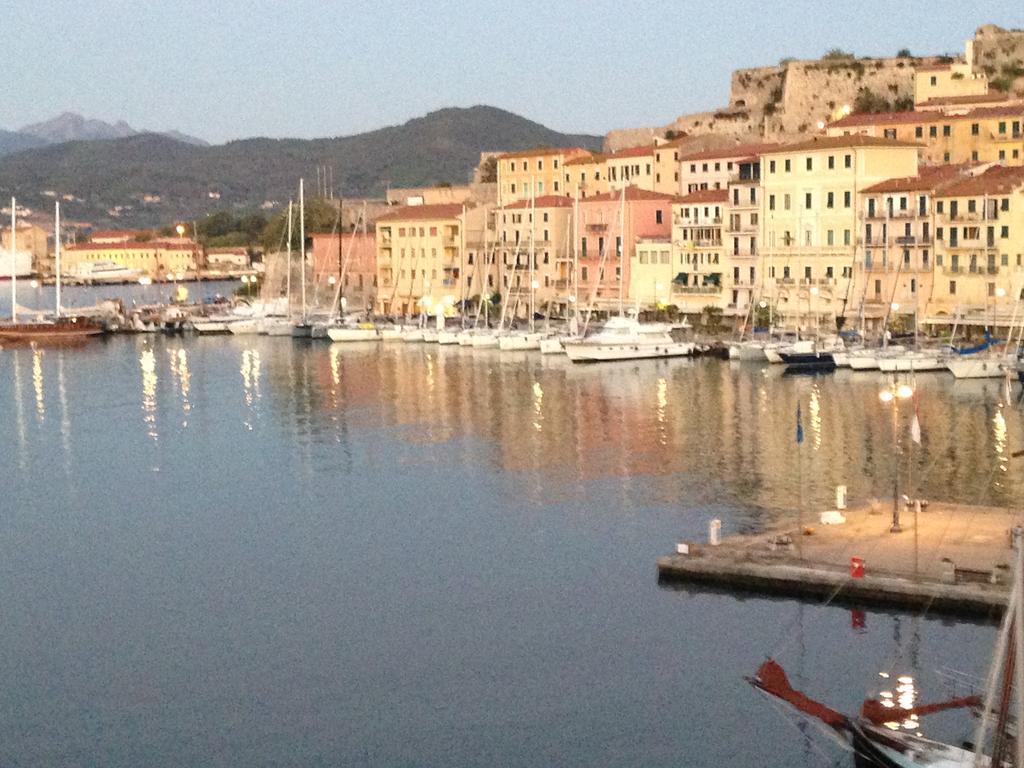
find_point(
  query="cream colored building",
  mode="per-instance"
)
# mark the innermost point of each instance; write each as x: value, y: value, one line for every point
x: 952, y: 80
x: 743, y: 274
x: 31, y: 239
x: 979, y: 246
x: 158, y: 259
x: 537, y: 172
x: 651, y: 272
x: 419, y: 259
x: 632, y: 167
x: 810, y: 214
x: 715, y: 168
x: 541, y: 228
x: 697, y: 223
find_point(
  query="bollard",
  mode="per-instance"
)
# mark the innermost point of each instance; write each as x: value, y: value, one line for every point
x: 715, y: 532
x: 840, y: 497
x: 857, y: 567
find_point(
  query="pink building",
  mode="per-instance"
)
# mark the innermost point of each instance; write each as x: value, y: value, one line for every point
x: 605, y: 223
x: 352, y: 260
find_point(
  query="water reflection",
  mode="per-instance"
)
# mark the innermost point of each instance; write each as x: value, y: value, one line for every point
x: 147, y: 364
x: 37, y: 384
x: 65, y: 418
x: 180, y: 374
x: 250, y: 371
x: 19, y: 413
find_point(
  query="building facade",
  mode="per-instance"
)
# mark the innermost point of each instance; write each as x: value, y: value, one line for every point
x: 537, y: 172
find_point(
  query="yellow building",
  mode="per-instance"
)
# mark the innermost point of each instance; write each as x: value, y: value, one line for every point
x: 537, y: 172
x: 979, y: 246
x: 586, y: 176
x: 952, y: 80
x: 158, y: 259
x: 810, y: 213
x: 982, y: 134
x: 419, y: 259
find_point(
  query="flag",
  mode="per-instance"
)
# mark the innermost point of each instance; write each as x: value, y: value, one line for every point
x: 915, y: 426
x: 799, y: 426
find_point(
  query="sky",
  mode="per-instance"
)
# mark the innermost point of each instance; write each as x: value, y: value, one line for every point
x: 226, y: 69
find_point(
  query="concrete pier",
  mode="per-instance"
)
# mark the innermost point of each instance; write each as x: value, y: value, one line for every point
x: 948, y: 558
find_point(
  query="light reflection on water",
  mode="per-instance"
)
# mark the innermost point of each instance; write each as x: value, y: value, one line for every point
x: 400, y: 554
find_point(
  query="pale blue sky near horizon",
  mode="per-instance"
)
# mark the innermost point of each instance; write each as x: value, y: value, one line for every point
x: 240, y: 68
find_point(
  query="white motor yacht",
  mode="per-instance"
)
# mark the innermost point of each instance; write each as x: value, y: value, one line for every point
x: 976, y: 367
x: 624, y: 338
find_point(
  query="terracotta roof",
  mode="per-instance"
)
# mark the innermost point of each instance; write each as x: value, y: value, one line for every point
x: 737, y: 150
x: 640, y: 151
x: 590, y: 157
x: 406, y: 212
x: 998, y: 180
x: 950, y: 101
x: 546, y: 201
x: 928, y: 116
x: 541, y: 152
x: 632, y: 194
x: 126, y: 233
x: 228, y: 249
x: 931, y: 177
x: 705, y: 196
x: 933, y: 67
x: 134, y: 245
x: 838, y: 142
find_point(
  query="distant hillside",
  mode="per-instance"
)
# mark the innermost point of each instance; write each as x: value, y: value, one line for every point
x: 443, y: 146
x: 12, y: 141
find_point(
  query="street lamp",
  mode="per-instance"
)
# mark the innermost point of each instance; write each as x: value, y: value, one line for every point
x: 892, y: 395
x: 180, y: 229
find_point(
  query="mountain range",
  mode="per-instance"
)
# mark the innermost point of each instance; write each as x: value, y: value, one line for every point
x: 145, y: 179
x: 70, y: 126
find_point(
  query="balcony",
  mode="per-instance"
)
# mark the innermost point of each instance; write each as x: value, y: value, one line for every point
x: 707, y: 243
x: 449, y: 281
x: 563, y: 284
x: 906, y: 240
x: 1007, y: 136
x: 691, y: 290
x: 597, y: 227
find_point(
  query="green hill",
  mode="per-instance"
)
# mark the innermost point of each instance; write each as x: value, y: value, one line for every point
x: 443, y: 146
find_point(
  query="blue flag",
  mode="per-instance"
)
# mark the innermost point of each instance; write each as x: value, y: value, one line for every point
x: 799, y: 426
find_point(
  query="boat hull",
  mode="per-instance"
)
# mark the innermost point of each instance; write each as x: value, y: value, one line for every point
x: 61, y: 331
x: 582, y: 352
x: 353, y: 334
x: 520, y: 341
x: 553, y: 346
x: 965, y: 368
x: 447, y: 337
x: 915, y: 364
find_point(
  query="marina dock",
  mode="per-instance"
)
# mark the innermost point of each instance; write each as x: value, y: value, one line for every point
x: 949, y: 558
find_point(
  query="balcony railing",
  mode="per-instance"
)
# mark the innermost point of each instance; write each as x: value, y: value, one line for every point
x: 689, y: 290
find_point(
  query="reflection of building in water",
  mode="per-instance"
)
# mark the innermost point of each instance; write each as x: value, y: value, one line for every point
x: 37, y: 384
x: 711, y: 431
x: 147, y: 364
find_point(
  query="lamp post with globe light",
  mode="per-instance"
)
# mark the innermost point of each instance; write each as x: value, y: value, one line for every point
x: 891, y: 395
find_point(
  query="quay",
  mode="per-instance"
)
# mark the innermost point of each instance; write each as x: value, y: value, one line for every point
x: 949, y: 558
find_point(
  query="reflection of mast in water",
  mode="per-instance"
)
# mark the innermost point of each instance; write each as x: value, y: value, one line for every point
x: 250, y: 372
x: 19, y: 413
x: 65, y: 421
x: 178, y: 360
x: 37, y: 384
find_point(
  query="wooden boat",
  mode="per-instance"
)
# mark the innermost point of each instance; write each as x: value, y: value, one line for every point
x: 63, y: 329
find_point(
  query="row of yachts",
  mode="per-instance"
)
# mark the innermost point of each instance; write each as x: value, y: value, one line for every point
x: 982, y: 362
x: 618, y: 338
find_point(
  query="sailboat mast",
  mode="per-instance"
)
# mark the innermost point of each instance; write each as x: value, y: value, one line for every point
x: 622, y: 245
x: 14, y: 276
x: 56, y: 251
x: 302, y: 245
x: 288, y: 276
x: 533, y: 252
x: 574, y: 323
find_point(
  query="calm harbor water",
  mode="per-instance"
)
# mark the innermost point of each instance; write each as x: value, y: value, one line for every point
x: 258, y: 552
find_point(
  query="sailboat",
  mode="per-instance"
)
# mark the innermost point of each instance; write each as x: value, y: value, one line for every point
x: 515, y: 340
x: 58, y: 328
x: 878, y: 744
x: 303, y: 329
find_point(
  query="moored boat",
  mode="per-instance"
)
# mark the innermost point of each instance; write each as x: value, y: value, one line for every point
x: 624, y: 338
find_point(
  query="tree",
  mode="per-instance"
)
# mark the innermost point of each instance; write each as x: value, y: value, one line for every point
x: 868, y: 101
x: 904, y: 53
x: 837, y: 53
x: 321, y: 216
x: 489, y: 170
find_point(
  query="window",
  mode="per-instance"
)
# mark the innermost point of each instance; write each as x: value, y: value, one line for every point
x: 718, y: 166
x: 848, y: 161
x: 433, y: 231
x: 1002, y: 126
x: 1004, y: 204
x: 1004, y: 232
x: 919, y: 132
x: 947, y: 130
x: 657, y: 216
x: 830, y: 237
x: 810, y: 164
x: 771, y: 166
x: 584, y: 274
x: 771, y: 202
x: 830, y: 200
x: 789, y: 166
x: 934, y: 80
x: 847, y: 199
x: 786, y: 202
x: 890, y: 133
x: 975, y: 129
x: 945, y: 157
x: 974, y: 155
x: 807, y: 201
x: 846, y: 237
x: 952, y: 287
x: 933, y: 131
